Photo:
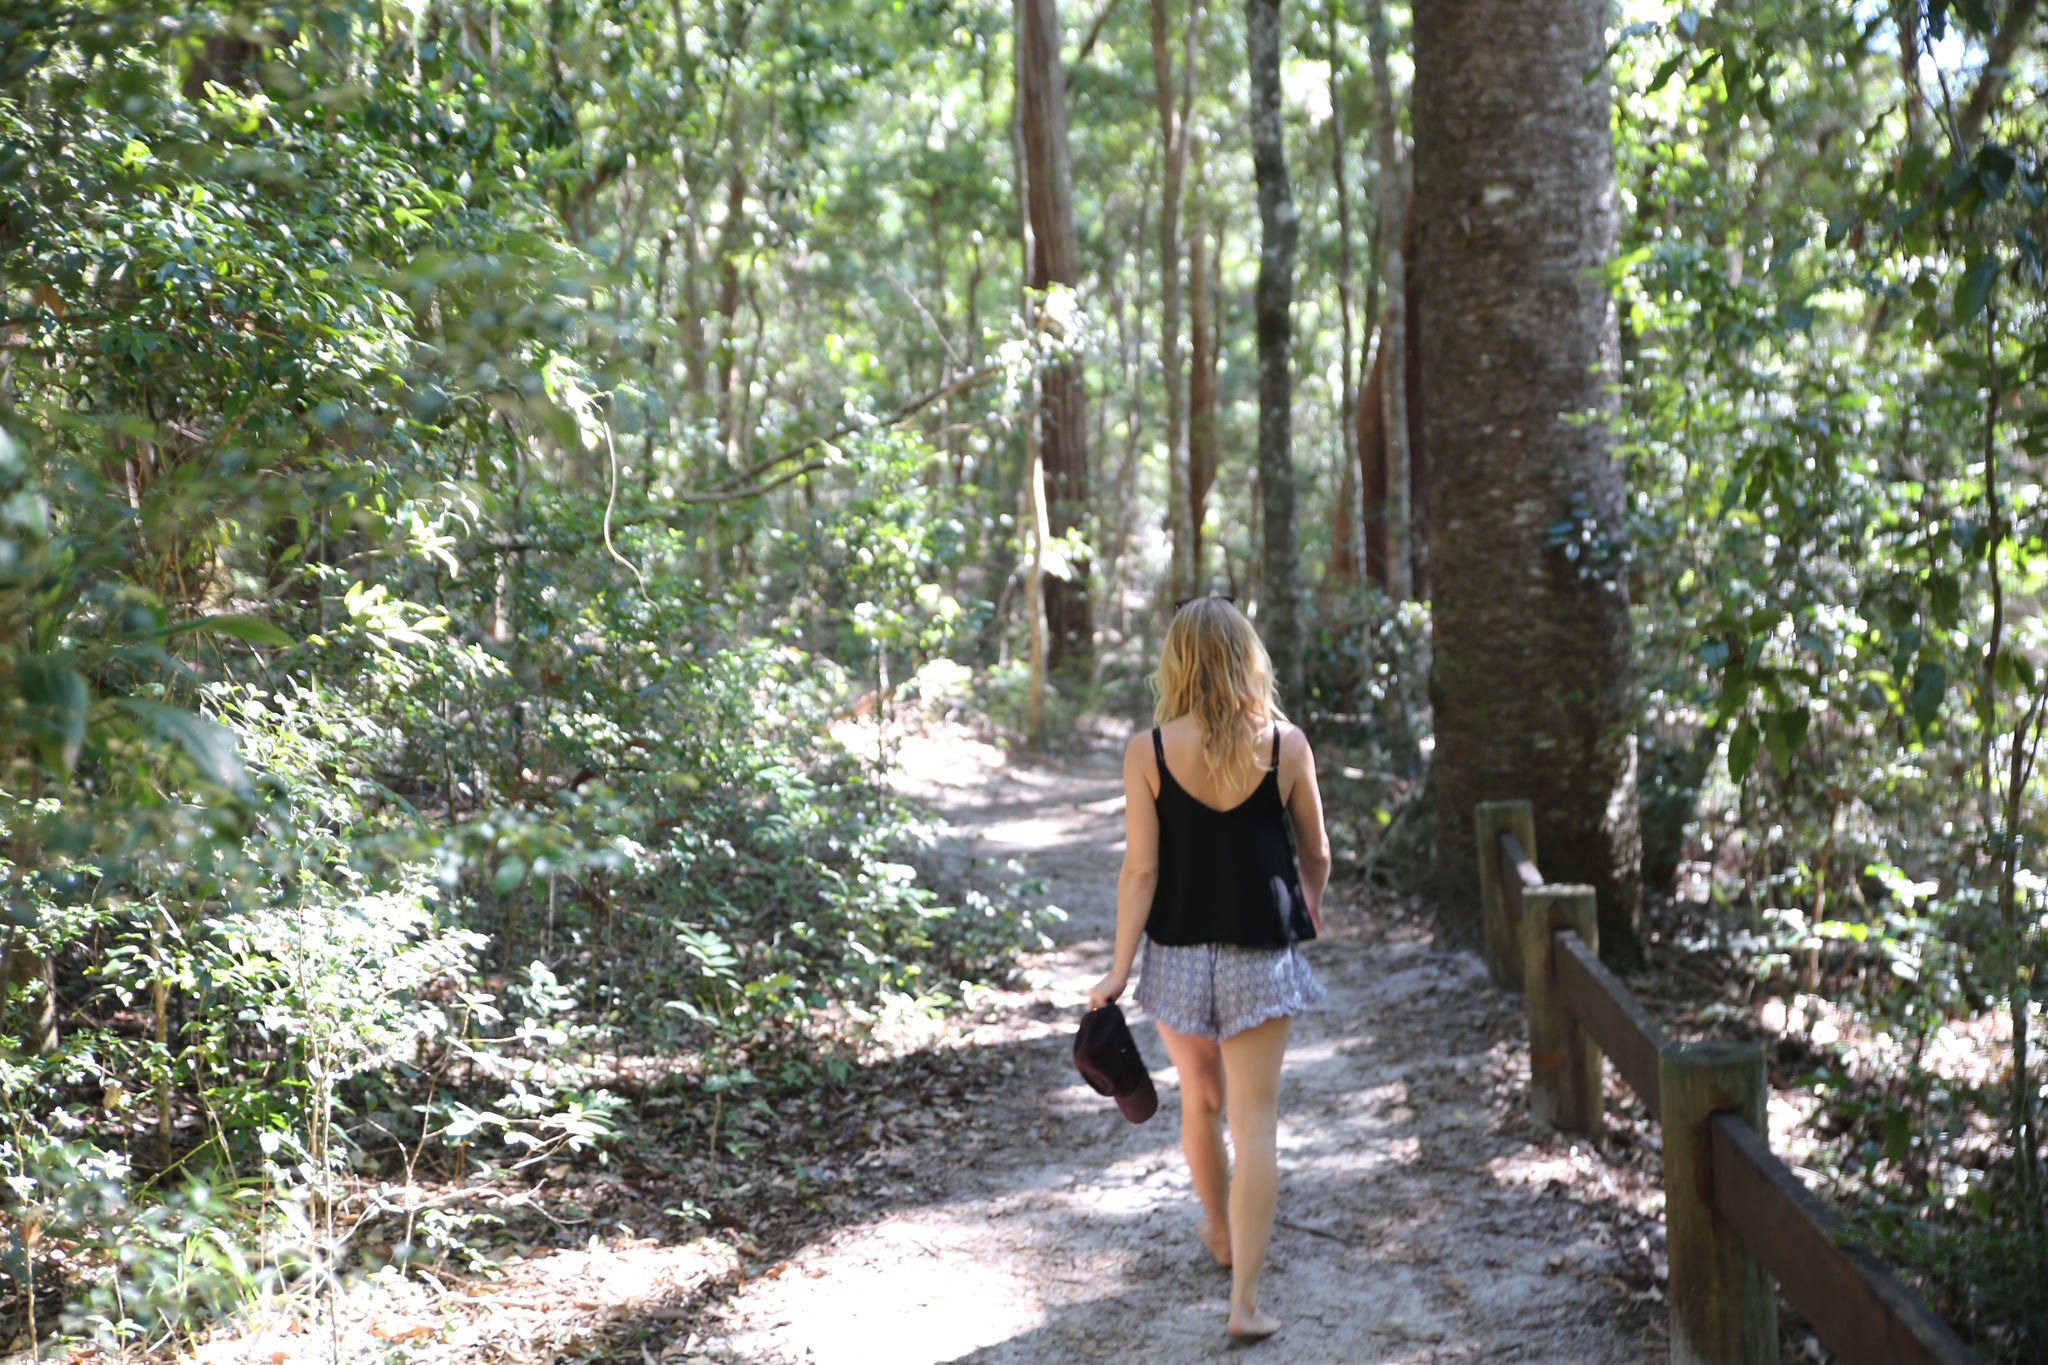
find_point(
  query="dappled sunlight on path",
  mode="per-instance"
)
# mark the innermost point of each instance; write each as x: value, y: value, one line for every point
x: 1420, y: 1218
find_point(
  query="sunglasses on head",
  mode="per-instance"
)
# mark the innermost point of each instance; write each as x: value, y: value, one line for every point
x: 1207, y: 597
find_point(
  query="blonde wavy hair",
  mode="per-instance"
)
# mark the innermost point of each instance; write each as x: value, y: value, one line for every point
x: 1214, y: 667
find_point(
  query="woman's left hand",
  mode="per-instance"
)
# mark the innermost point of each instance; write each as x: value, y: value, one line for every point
x: 1107, y: 990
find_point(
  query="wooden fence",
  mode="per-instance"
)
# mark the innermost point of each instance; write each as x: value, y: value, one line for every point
x: 1736, y: 1217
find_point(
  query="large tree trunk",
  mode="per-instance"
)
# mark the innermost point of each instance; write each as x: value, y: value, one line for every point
x: 1279, y: 228
x: 1515, y: 208
x: 1056, y: 259
x: 1173, y: 146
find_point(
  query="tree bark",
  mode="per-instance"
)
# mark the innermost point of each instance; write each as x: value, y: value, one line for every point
x: 1515, y: 206
x: 1204, y: 397
x: 1400, y: 579
x: 1373, y: 457
x: 1999, y: 51
x: 1348, y: 544
x: 1372, y: 469
x: 731, y: 239
x: 1173, y: 146
x: 1033, y: 516
x: 1056, y: 260
x: 1279, y: 230
x: 32, y: 978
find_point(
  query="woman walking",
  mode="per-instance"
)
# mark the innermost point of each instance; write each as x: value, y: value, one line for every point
x: 1211, y: 884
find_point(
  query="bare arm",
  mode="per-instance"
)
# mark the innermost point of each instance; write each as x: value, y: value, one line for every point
x: 1305, y: 809
x: 1140, y: 875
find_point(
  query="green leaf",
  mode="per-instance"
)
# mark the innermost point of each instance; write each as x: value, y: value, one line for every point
x: 1784, y: 732
x: 254, y: 629
x: 1898, y: 1136
x: 510, y: 873
x: 1742, y: 750
x: 212, y: 747
x: 1944, y: 598
x: 1930, y: 686
x: 1913, y: 168
x: 1665, y: 71
x: 1973, y: 291
x: 1736, y: 684
x: 2003, y: 675
x: 57, y: 700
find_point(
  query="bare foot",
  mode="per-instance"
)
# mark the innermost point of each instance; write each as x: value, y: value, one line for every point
x: 1252, y: 1326
x: 1218, y: 1242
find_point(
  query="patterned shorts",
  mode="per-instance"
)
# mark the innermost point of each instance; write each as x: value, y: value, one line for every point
x: 1213, y: 990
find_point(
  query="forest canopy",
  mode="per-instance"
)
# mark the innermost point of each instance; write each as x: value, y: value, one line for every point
x: 474, y: 474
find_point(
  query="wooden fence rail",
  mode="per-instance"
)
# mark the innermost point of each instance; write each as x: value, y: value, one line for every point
x: 1736, y: 1216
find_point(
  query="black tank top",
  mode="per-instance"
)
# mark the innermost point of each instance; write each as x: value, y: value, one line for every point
x: 1226, y: 876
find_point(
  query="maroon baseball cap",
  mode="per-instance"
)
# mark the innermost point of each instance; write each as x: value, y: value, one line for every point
x: 1108, y: 1059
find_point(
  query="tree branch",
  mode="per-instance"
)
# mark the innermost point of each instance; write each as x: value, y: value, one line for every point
x: 1088, y: 43
x: 896, y: 419
x: 741, y: 494
x: 1998, y: 57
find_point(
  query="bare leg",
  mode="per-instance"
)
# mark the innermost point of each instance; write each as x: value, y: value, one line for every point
x: 1200, y: 1065
x: 1251, y: 1068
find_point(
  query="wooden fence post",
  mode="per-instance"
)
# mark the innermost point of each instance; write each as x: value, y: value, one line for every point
x: 1503, y: 933
x: 1724, y: 1308
x: 1564, y: 1062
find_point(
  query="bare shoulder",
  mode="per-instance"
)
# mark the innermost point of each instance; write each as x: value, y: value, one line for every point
x: 1139, y: 767
x: 1294, y: 748
x: 1297, y: 760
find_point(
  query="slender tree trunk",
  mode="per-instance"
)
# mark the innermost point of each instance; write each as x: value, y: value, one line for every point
x: 1412, y: 304
x: 1203, y: 397
x: 730, y: 237
x: 1173, y: 145
x: 1350, y: 499
x: 1393, y: 316
x: 2015, y: 27
x: 1034, y: 578
x: 1130, y: 364
x: 690, y: 314
x: 1515, y: 207
x: 1374, y: 459
x: 1906, y: 19
x: 32, y: 978
x: 1056, y: 260
x: 1279, y: 228
x: 1034, y: 521
x: 1372, y: 469
x: 26, y: 974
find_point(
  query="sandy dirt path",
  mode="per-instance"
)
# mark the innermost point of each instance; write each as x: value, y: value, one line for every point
x: 1421, y: 1218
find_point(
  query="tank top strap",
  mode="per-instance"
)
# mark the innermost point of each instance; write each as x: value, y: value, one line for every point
x: 1159, y: 756
x: 1276, y: 748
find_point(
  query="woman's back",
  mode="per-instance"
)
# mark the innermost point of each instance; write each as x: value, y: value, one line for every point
x: 1227, y: 871
x: 1182, y: 740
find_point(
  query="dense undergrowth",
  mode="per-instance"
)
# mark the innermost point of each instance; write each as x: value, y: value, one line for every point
x: 458, y: 466
x: 380, y: 806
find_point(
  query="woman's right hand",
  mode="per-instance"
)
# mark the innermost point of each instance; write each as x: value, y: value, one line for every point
x: 1107, y: 990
